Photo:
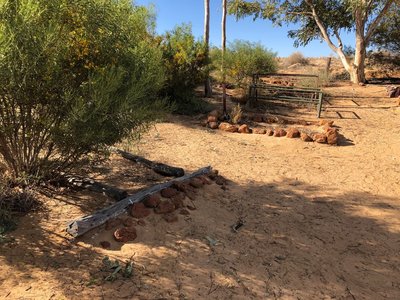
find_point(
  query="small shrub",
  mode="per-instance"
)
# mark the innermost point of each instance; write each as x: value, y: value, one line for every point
x: 296, y: 58
x: 242, y: 60
x: 77, y: 76
x: 186, y: 62
x: 236, y: 114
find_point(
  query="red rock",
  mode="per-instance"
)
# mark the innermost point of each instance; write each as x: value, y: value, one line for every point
x: 168, y: 192
x: 228, y: 127
x: 105, y: 244
x: 212, y: 119
x: 213, y: 125
x: 328, y: 129
x: 177, y: 200
x: 170, y: 218
x: 293, y: 133
x: 332, y: 137
x: 184, y: 212
x: 258, y: 118
x: 111, y: 224
x: 128, y: 222
x: 141, y: 222
x: 279, y: 132
x: 270, y: 120
x: 259, y: 131
x: 204, y: 123
x: 165, y: 207
x: 213, y: 174
x: 138, y: 211
x: 244, y: 129
x: 326, y: 122
x: 152, y: 201
x: 305, y: 137
x: 270, y: 132
x: 319, y: 138
x: 125, y: 234
x: 196, y: 182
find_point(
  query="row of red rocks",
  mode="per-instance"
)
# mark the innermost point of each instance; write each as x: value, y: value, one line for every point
x: 166, y: 203
x: 330, y: 134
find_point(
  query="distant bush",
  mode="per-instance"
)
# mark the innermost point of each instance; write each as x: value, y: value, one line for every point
x: 185, y: 64
x: 296, y: 58
x: 242, y: 60
x: 76, y: 76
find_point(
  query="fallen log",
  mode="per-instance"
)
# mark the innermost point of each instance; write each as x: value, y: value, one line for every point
x: 80, y: 226
x: 94, y: 186
x: 159, y: 168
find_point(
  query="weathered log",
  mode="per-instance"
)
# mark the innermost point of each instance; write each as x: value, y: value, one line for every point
x: 94, y: 186
x: 80, y: 226
x: 159, y: 168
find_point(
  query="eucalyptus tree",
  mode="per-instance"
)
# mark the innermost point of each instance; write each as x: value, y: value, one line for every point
x: 207, y: 85
x: 325, y: 20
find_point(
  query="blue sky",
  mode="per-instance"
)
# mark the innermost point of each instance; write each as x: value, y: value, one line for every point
x: 174, y: 12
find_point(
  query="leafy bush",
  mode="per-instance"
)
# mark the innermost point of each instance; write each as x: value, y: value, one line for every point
x: 296, y: 58
x: 76, y: 77
x: 186, y: 62
x: 242, y: 60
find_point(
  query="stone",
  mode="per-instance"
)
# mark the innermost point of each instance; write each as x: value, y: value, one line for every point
x: 168, y: 192
x: 270, y: 120
x: 326, y: 122
x: 259, y: 131
x: 330, y: 129
x: 128, y: 222
x: 177, y: 200
x: 213, y: 125
x: 125, y: 234
x: 139, y: 210
x: 279, y: 132
x: 196, y: 182
x: 228, y: 127
x: 244, y: 129
x: 270, y: 132
x: 258, y: 118
x: 293, y: 133
x: 165, y: 207
x: 184, y: 212
x: 215, y: 113
x: 305, y: 137
x: 204, y: 123
x: 212, y: 119
x: 190, y: 194
x: 152, y: 200
x: 191, y: 207
x: 332, y: 137
x: 213, y: 174
x: 170, y: 218
x: 105, y: 244
x: 319, y: 138
x: 112, y: 223
x: 204, y: 179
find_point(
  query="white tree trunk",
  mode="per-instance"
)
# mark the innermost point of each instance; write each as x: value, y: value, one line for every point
x: 223, y: 49
x: 207, y: 84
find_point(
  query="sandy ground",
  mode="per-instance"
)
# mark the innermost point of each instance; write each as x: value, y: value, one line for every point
x: 320, y: 222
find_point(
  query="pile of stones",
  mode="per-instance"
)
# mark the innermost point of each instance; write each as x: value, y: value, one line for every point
x: 168, y: 203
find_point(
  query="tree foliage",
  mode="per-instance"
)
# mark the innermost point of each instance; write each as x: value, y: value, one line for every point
x: 185, y: 61
x: 76, y: 77
x: 243, y: 59
x: 387, y: 34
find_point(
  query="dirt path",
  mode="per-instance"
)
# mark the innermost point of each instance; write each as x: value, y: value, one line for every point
x: 321, y: 222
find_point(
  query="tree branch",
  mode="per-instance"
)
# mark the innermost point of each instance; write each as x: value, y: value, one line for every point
x: 372, y: 27
x: 339, y: 39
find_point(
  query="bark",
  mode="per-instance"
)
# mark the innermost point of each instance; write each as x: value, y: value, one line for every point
x: 223, y: 49
x: 207, y: 84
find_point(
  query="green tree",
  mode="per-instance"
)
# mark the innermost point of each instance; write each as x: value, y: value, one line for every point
x: 185, y: 61
x: 324, y: 20
x: 77, y: 76
x: 243, y: 59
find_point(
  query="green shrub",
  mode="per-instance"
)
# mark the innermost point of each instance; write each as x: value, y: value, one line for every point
x: 296, y: 58
x: 77, y: 76
x: 185, y: 60
x: 242, y: 60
